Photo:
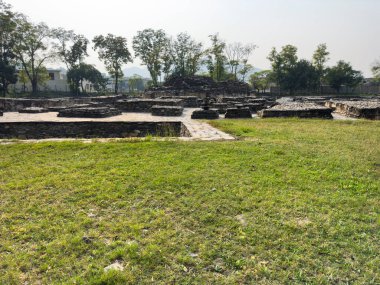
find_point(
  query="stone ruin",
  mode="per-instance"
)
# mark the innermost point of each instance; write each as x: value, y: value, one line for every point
x: 300, y: 110
x: 170, y: 111
x: 238, y: 113
x: 89, y: 112
x: 356, y: 109
x: 177, y: 85
x: 33, y: 110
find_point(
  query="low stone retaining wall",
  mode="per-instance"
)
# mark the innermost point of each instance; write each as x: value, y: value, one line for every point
x: 46, y: 130
x: 205, y: 115
x: 145, y: 105
x: 188, y: 101
x: 15, y: 105
x: 238, y: 113
x: 171, y: 111
x: 303, y: 110
x: 357, y: 109
x: 33, y: 110
x: 89, y: 112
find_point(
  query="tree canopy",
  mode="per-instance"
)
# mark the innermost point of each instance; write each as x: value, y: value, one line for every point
x: 113, y: 51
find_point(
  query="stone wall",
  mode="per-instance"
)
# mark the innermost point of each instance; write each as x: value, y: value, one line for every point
x: 145, y: 105
x: 45, y: 130
x: 15, y: 105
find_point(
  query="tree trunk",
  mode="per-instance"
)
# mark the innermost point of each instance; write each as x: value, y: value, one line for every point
x: 34, y: 86
x: 116, y: 83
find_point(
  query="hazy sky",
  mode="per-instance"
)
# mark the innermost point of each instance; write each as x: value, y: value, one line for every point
x: 350, y: 28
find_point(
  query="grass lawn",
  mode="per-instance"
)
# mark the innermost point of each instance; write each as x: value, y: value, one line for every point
x: 291, y: 202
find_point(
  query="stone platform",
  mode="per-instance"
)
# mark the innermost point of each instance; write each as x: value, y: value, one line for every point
x: 170, y: 111
x: 197, y: 130
x: 356, y: 109
x: 299, y: 110
x: 238, y: 113
x: 89, y: 112
x: 205, y: 115
x: 33, y: 110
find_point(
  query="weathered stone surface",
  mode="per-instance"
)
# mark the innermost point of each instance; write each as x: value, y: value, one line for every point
x: 300, y: 110
x: 200, y: 84
x: 238, y: 113
x: 145, y: 105
x: 357, y: 109
x: 205, y: 115
x: 89, y: 112
x: 33, y: 110
x: 188, y: 101
x: 90, y: 129
x: 254, y: 107
x: 171, y: 111
x: 221, y: 107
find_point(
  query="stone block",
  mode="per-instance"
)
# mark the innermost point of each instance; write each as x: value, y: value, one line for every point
x: 89, y: 112
x: 205, y: 115
x: 238, y: 113
x: 171, y: 111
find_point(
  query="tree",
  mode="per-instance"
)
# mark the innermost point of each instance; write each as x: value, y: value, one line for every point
x: 302, y: 76
x: 135, y: 83
x: 343, y: 74
x: 79, y: 73
x: 187, y: 55
x: 71, y: 48
x: 237, y: 56
x: 320, y: 57
x: 8, y: 74
x: 32, y: 48
x: 282, y: 62
x: 113, y: 51
x: 215, y: 58
x: 246, y: 67
x: 260, y: 80
x: 151, y: 46
x: 376, y: 71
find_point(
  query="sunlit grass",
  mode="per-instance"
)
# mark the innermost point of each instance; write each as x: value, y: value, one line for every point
x: 293, y: 201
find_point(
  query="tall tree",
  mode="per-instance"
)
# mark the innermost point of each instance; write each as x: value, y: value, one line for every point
x: 71, y: 48
x: 33, y: 48
x: 237, y: 56
x: 216, y: 59
x: 7, y: 57
x: 113, y: 51
x: 151, y: 46
x: 320, y: 57
x: 343, y: 74
x: 282, y: 62
x: 187, y: 55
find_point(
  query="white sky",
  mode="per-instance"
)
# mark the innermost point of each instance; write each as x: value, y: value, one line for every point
x: 350, y: 28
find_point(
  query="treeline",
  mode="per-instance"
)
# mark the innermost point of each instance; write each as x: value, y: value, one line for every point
x: 26, y: 48
x: 291, y: 74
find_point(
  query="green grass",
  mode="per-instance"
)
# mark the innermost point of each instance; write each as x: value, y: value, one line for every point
x: 292, y: 202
